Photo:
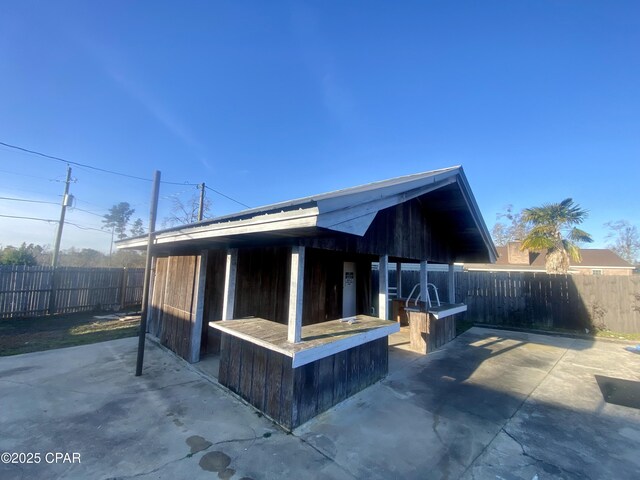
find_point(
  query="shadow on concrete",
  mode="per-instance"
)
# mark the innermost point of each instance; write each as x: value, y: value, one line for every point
x: 619, y: 391
x: 489, y: 405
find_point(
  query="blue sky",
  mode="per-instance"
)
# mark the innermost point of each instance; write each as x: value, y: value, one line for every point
x: 266, y: 101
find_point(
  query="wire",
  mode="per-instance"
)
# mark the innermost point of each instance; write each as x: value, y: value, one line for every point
x: 86, y: 211
x: 25, y: 200
x: 30, y: 176
x: 30, y: 218
x: 227, y: 196
x: 51, y: 157
x: 56, y: 221
x: 69, y: 162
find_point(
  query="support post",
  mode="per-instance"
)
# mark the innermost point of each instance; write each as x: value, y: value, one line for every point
x: 229, y: 299
x: 56, y: 246
x: 153, y: 210
x: 63, y: 210
x: 398, y: 280
x: 452, y: 284
x: 198, y: 295
x: 383, y: 290
x: 296, y: 288
x: 424, y: 279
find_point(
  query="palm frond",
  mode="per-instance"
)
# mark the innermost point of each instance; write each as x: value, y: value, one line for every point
x: 572, y: 250
x: 537, y: 242
x: 577, y: 235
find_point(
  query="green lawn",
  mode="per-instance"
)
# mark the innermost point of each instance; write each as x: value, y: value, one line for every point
x: 44, y: 333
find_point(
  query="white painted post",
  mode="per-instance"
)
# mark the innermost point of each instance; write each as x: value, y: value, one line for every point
x: 424, y: 279
x: 452, y: 284
x: 383, y: 290
x: 229, y: 299
x: 398, y: 280
x: 296, y: 288
x: 198, y: 296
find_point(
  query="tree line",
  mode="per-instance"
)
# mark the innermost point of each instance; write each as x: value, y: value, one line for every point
x: 40, y: 255
x: 118, y: 221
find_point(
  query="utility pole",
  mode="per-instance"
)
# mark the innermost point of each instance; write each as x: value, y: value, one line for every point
x: 201, y: 206
x: 63, y: 211
x: 56, y: 247
x: 155, y: 190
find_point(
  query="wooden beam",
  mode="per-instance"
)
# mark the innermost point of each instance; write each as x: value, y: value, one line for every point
x: 383, y: 290
x: 296, y: 288
x: 424, y: 279
x: 452, y: 284
x: 398, y: 279
x: 200, y: 279
x: 229, y: 299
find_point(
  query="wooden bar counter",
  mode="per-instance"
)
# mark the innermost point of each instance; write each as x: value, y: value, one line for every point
x: 294, y: 382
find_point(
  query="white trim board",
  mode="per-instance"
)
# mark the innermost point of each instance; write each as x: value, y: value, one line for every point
x: 301, y: 353
x: 448, y: 312
x: 322, y: 351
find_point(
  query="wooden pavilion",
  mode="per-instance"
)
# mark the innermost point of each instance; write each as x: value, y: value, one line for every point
x: 283, y: 293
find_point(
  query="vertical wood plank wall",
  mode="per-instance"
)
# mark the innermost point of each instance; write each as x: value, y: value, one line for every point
x: 291, y: 396
x: 426, y: 333
x: 172, y: 305
x: 262, y: 283
x: 323, y: 285
x: 540, y: 300
x: 25, y: 291
x: 214, y: 293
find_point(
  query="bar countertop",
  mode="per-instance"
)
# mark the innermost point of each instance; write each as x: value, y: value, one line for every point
x: 318, y: 341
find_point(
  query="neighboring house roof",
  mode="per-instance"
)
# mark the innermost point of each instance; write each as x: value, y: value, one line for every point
x: 351, y: 211
x: 594, y: 258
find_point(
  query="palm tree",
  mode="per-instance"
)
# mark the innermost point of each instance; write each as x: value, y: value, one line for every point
x: 553, y: 230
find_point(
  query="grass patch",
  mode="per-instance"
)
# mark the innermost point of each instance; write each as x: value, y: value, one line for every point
x: 617, y: 335
x: 24, y: 335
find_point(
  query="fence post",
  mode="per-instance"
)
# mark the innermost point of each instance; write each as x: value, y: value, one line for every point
x: 123, y: 288
x: 52, y: 295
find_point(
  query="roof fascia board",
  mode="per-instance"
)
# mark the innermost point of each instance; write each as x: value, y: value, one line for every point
x: 264, y: 223
x: 600, y: 266
x: 463, y: 184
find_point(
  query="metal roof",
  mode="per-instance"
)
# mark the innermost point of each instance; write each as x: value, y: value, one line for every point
x: 350, y: 210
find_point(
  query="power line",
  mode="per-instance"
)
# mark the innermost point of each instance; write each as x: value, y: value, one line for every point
x: 82, y: 227
x: 226, y: 196
x: 104, y: 170
x: 52, y: 157
x: 30, y: 176
x: 25, y: 200
x: 87, y: 211
x: 30, y: 218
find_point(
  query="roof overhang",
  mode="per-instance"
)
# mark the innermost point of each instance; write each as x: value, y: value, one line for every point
x: 348, y: 211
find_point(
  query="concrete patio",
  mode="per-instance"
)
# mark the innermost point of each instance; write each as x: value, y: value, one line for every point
x: 491, y: 404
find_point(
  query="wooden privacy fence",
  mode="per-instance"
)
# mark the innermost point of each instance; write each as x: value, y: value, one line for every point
x: 37, y: 291
x: 539, y: 300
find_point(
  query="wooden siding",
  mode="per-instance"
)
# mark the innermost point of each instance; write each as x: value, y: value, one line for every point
x: 262, y: 283
x: 289, y: 396
x: 409, y: 231
x: 427, y: 334
x: 540, y: 300
x: 172, y: 310
x: 323, y: 284
x: 26, y: 291
x: 214, y: 296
